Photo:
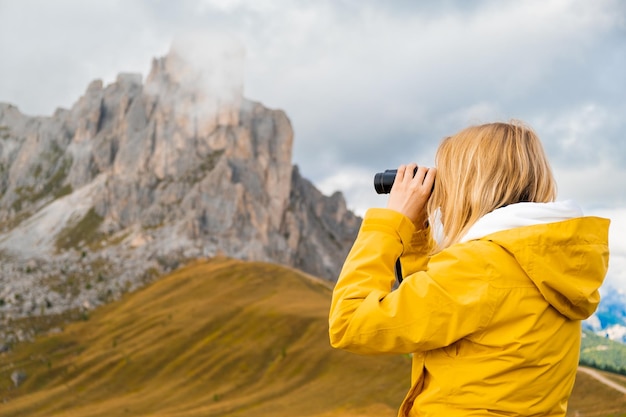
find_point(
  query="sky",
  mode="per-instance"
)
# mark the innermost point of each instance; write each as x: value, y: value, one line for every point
x: 368, y: 85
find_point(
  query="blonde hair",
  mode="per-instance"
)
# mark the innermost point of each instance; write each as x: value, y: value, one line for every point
x: 482, y: 168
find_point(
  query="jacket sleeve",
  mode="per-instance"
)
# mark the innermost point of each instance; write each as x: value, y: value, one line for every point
x: 432, y: 308
x: 414, y: 256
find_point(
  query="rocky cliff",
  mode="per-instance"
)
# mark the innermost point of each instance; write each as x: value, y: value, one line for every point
x: 137, y: 178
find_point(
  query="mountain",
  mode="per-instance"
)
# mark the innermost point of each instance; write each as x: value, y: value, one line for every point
x: 219, y: 337
x: 137, y: 178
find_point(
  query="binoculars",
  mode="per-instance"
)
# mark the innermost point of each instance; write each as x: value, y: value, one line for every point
x: 383, y: 181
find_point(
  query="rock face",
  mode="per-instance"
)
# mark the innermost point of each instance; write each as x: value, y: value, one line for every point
x: 136, y: 178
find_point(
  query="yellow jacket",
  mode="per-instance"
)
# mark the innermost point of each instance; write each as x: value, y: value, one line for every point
x: 493, y: 323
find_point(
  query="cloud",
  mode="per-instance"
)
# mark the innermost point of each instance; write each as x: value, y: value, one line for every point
x: 361, y: 181
x: 406, y: 81
x: 583, y: 134
x: 208, y: 70
x: 368, y: 85
x: 600, y: 185
x: 53, y: 50
x: 616, y: 277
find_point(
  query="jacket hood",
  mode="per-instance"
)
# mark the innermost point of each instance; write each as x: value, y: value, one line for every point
x: 565, y: 254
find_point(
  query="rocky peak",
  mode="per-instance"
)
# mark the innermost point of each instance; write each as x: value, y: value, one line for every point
x: 136, y: 178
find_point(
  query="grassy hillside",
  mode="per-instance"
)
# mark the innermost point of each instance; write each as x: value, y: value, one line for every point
x: 602, y: 353
x: 218, y: 338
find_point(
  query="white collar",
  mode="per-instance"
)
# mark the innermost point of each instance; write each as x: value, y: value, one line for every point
x: 522, y: 214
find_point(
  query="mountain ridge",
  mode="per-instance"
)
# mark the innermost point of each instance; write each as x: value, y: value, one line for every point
x: 137, y: 178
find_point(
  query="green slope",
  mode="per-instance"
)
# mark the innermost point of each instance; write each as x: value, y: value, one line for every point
x: 602, y: 353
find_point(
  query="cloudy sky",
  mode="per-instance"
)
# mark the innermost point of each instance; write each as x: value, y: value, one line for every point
x: 368, y: 84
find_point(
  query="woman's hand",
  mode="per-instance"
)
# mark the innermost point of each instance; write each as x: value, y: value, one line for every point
x: 410, y: 193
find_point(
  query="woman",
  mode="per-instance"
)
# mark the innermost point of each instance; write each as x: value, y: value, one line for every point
x: 491, y: 310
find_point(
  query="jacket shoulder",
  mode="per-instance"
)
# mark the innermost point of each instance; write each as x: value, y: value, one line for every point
x: 482, y: 258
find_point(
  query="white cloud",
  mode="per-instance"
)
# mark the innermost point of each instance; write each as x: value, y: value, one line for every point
x: 51, y: 51
x: 592, y: 186
x: 581, y: 134
x: 358, y: 186
x: 617, y: 245
x: 368, y: 85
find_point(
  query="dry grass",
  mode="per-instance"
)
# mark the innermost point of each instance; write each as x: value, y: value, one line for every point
x: 219, y: 338
x: 620, y: 379
x: 591, y: 398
